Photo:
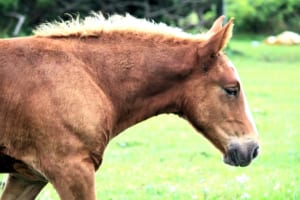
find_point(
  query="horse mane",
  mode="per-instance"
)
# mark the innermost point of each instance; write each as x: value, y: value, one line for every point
x: 96, y: 24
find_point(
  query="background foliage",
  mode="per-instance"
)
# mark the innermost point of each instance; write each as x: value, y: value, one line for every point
x: 173, y: 12
x: 18, y: 17
x: 265, y: 16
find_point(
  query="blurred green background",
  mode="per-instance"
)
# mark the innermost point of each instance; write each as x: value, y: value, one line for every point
x: 18, y: 17
x: 163, y: 157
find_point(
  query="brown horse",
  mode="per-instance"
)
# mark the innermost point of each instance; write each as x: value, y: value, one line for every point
x: 69, y: 89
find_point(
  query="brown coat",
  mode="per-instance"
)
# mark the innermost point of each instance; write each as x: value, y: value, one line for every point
x: 62, y: 98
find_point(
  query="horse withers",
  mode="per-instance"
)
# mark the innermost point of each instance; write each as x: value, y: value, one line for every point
x: 69, y: 89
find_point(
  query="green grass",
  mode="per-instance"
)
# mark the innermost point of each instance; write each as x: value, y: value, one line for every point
x: 164, y: 158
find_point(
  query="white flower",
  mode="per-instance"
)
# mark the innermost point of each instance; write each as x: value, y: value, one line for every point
x: 242, y: 179
x: 276, y: 186
x: 245, y: 196
x: 172, y: 188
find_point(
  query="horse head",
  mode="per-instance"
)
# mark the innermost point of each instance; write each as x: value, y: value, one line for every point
x: 215, y: 102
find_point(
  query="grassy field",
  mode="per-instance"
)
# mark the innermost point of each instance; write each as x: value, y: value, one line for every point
x: 164, y: 158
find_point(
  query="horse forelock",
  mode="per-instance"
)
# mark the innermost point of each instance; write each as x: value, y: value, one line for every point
x: 96, y: 24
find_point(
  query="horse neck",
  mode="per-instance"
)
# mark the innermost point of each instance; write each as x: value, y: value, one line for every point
x: 141, y: 80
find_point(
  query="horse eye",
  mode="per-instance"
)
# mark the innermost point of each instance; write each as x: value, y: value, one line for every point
x: 232, y: 91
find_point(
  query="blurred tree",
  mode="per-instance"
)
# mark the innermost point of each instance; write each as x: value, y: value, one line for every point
x: 18, y: 17
x: 265, y: 16
x: 220, y: 10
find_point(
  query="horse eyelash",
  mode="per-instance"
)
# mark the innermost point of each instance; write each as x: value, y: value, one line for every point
x: 213, y: 55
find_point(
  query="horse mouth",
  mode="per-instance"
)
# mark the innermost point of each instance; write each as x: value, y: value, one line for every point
x: 241, y: 155
x: 235, y: 162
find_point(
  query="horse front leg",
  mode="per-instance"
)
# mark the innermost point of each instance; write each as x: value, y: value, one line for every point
x: 18, y: 187
x: 73, y: 180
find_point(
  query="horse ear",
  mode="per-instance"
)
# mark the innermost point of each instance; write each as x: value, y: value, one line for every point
x: 217, y: 25
x: 218, y: 38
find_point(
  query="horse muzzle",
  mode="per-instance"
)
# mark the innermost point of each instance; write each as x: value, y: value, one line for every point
x: 241, y: 154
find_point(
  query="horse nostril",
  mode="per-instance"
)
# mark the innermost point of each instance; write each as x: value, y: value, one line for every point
x: 233, y: 153
x: 255, y: 152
